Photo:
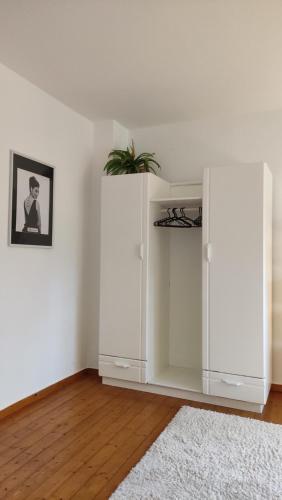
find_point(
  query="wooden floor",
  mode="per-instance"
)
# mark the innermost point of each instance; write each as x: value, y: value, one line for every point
x: 81, y: 441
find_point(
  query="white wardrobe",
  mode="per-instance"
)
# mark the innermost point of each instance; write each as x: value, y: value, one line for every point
x: 187, y: 311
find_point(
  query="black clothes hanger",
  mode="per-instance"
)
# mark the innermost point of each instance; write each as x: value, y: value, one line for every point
x: 162, y: 221
x: 198, y: 220
x: 166, y: 221
x: 173, y: 220
x: 185, y: 217
x: 179, y: 220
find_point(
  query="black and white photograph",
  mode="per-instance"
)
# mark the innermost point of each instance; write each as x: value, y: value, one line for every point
x: 31, y: 215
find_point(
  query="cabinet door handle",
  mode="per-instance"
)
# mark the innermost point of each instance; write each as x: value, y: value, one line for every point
x: 121, y: 365
x: 209, y: 252
x: 141, y: 251
x: 229, y: 382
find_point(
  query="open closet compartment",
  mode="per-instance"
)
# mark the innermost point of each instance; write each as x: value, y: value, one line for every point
x: 175, y: 289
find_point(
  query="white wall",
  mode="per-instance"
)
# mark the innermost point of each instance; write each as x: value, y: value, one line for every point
x: 183, y: 149
x: 43, y: 292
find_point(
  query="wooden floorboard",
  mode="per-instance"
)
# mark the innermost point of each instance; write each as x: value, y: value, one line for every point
x: 82, y: 441
x: 46, y: 450
x: 41, y: 408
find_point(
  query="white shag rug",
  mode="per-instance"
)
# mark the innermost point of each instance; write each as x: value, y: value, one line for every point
x: 207, y: 455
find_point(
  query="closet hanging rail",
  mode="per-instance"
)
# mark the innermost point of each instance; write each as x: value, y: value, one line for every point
x: 179, y: 219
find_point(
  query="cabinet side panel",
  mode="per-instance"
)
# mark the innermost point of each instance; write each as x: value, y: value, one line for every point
x: 158, y: 298
x: 157, y: 283
x: 205, y: 272
x: 236, y: 270
x: 154, y: 187
x: 121, y: 266
x: 267, y: 275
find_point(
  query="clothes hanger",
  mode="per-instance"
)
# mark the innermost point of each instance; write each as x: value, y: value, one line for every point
x: 173, y: 220
x: 179, y: 221
x: 160, y: 222
x: 185, y: 217
x: 198, y: 220
x: 185, y: 221
x: 169, y: 221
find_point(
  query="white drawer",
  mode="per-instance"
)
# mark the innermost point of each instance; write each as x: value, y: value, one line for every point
x: 253, y: 390
x: 122, y: 368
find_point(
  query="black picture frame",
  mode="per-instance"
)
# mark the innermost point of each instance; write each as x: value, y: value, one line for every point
x: 23, y: 167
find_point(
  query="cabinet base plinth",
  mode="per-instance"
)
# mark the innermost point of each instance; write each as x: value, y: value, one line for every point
x: 183, y: 394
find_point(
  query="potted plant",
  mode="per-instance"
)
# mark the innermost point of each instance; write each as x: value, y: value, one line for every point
x: 125, y: 161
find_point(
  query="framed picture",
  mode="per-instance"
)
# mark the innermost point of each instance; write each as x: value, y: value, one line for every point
x: 31, y: 202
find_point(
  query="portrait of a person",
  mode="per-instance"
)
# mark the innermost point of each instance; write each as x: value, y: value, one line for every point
x: 31, y: 202
x: 32, y: 208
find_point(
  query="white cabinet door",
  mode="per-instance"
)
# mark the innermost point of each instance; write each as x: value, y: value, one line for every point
x: 233, y: 278
x: 121, y: 266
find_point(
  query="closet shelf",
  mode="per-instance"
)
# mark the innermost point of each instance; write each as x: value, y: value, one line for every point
x: 189, y: 379
x: 194, y: 202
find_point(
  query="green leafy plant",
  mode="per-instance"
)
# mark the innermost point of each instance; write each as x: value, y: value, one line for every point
x: 125, y: 161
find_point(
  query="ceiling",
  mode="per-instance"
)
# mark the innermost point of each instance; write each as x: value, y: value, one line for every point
x: 145, y: 62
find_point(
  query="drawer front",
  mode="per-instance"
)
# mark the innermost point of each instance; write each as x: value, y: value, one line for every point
x: 252, y: 390
x: 122, y: 368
